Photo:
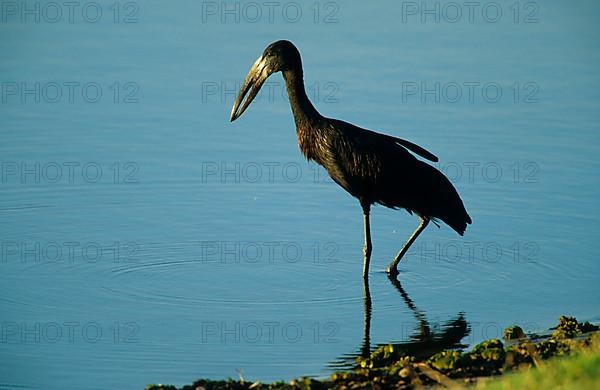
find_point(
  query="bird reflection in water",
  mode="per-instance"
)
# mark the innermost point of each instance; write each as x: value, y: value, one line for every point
x: 426, y: 340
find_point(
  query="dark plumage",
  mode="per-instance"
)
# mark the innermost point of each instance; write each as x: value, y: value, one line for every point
x: 372, y: 167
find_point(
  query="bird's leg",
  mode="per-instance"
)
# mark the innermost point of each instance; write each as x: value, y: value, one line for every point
x: 368, y: 247
x: 393, y: 267
x: 366, y: 345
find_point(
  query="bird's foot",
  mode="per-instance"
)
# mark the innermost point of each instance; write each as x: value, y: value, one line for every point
x: 392, y: 271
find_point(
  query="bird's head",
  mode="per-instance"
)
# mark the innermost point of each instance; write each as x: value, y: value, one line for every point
x: 278, y: 56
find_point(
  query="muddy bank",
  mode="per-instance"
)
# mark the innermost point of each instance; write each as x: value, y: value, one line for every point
x: 390, y: 367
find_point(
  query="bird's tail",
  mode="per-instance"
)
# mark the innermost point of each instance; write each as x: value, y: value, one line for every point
x: 458, y: 222
x: 455, y: 215
x: 450, y: 208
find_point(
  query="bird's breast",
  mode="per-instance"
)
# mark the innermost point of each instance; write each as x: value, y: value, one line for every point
x: 310, y: 143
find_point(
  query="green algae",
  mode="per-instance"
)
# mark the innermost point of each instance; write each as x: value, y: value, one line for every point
x: 513, y: 333
x: 568, y: 328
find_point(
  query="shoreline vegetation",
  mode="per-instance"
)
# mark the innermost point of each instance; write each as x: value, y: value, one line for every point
x: 568, y: 357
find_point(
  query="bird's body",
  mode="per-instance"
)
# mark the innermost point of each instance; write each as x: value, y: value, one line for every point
x: 372, y: 167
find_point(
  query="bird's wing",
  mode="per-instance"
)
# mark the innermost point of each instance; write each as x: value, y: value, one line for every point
x: 413, y: 148
x: 364, y: 134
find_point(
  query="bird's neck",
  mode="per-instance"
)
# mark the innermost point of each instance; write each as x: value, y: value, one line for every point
x: 305, y: 114
x: 307, y: 118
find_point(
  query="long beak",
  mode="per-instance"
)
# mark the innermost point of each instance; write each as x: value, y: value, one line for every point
x: 254, y: 80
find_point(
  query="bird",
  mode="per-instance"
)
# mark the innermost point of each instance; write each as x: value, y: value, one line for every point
x: 374, y: 168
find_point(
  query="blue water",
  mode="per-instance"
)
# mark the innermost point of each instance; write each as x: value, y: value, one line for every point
x: 154, y: 241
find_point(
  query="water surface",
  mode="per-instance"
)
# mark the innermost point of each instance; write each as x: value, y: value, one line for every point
x: 202, y: 247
